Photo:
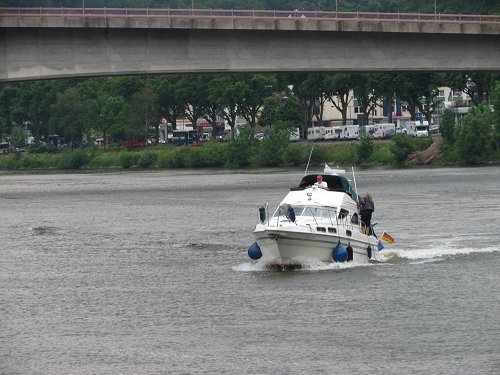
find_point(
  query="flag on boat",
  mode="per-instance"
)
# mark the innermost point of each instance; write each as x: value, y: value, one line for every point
x: 387, y: 238
x: 380, y: 246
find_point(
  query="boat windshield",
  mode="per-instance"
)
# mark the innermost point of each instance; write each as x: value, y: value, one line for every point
x: 300, y: 210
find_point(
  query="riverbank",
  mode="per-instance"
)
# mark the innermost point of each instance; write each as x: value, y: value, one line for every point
x: 404, y: 151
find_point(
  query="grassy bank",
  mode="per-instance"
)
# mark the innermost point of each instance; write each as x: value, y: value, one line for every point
x: 220, y: 155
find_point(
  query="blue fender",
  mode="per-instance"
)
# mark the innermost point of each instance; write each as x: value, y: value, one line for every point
x: 254, y: 251
x: 339, y: 253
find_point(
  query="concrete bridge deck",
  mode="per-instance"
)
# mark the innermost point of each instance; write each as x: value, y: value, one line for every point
x: 37, y: 43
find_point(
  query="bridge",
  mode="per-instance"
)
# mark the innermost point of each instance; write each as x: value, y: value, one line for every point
x: 43, y: 43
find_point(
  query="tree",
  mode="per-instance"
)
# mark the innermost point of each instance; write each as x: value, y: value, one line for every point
x: 475, y: 136
x: 363, y: 93
x: 69, y: 115
x: 337, y: 88
x: 447, y: 127
x: 226, y: 92
x: 18, y: 136
x: 495, y: 99
x: 110, y: 116
x: 365, y: 149
x: 308, y: 89
x: 256, y: 88
x: 419, y: 91
x: 170, y: 103
x: 192, y: 96
x: 144, y: 112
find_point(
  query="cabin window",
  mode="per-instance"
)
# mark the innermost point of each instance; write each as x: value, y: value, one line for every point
x: 343, y: 214
x: 348, y: 233
x: 283, y: 210
x: 354, y: 219
x: 327, y: 212
x: 332, y: 230
x: 321, y: 229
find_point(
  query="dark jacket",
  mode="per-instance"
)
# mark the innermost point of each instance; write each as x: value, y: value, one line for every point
x: 367, y: 206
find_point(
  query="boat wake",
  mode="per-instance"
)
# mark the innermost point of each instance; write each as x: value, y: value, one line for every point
x: 425, y: 253
x: 304, y: 264
x: 433, y: 253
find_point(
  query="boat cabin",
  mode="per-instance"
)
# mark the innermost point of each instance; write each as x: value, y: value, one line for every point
x: 335, y: 183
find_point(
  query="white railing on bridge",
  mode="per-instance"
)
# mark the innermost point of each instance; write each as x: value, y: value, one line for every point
x: 248, y: 14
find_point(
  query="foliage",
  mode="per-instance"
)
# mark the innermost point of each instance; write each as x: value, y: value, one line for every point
x: 147, y: 159
x: 495, y: 99
x: 18, y: 137
x: 401, y: 146
x: 214, y: 154
x: 69, y: 115
x: 74, y: 160
x: 129, y: 159
x: 269, y: 151
x: 475, y: 136
x: 364, y: 150
x: 40, y: 148
x: 241, y: 148
x: 293, y: 155
x: 447, y: 127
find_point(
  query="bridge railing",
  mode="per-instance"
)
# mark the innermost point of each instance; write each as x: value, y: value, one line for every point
x: 247, y: 14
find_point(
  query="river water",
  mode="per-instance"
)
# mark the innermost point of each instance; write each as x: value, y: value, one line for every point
x: 147, y: 273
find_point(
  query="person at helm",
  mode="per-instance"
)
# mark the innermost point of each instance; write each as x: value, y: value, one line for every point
x: 320, y: 183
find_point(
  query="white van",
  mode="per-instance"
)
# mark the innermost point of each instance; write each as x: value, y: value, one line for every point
x: 422, y: 130
x: 316, y: 133
x: 384, y: 130
x: 350, y: 132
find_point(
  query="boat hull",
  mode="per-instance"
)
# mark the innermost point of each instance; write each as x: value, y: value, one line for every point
x: 294, y: 244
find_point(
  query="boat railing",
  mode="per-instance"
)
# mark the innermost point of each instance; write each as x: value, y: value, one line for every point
x: 338, y: 219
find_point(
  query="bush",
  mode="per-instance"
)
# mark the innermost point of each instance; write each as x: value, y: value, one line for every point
x: 364, y: 150
x: 214, y: 154
x: 401, y: 146
x: 73, y: 159
x: 178, y: 158
x: 147, y: 160
x: 240, y: 149
x: 39, y: 148
x: 105, y: 159
x: 293, y: 155
x: 447, y: 127
x: 165, y: 157
x: 475, y: 137
x: 381, y: 155
x: 128, y: 159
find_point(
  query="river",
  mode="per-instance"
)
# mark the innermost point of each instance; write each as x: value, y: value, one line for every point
x: 147, y: 273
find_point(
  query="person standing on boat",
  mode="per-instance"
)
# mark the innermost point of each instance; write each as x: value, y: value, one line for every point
x: 366, y: 209
x: 320, y: 183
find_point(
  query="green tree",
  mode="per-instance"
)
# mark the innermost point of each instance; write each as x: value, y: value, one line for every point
x: 364, y: 150
x: 256, y: 88
x: 495, y: 100
x: 241, y: 147
x: 475, y: 140
x: 170, y: 103
x: 401, y: 146
x: 447, y: 127
x: 270, y: 150
x: 70, y: 115
x: 226, y: 93
x: 18, y: 136
x: 192, y: 92
x: 338, y: 90
x: 144, y: 113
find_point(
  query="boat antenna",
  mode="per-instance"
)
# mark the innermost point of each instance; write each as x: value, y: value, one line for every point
x: 355, y: 187
x: 310, y: 154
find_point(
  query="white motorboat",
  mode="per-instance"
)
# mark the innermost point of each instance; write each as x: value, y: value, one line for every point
x: 315, y: 223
